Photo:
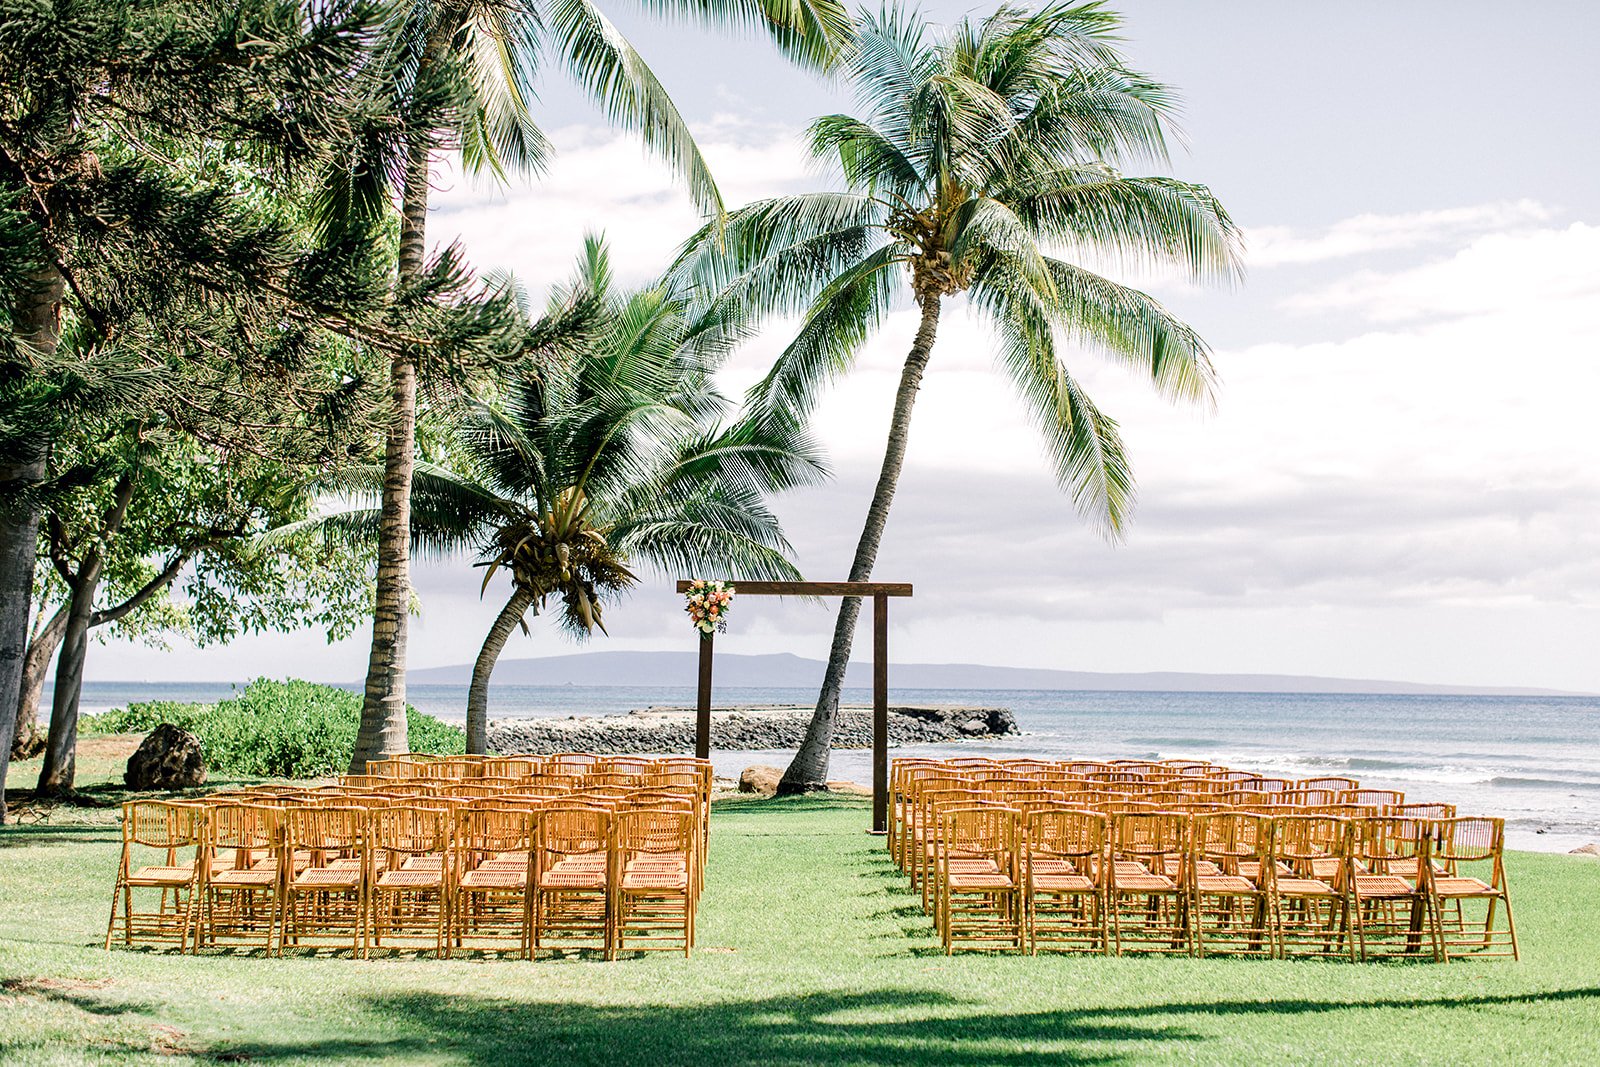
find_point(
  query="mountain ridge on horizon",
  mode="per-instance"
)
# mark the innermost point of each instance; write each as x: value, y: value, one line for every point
x: 787, y: 670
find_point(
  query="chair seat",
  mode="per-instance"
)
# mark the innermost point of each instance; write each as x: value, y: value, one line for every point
x: 1061, y: 883
x: 511, y: 863
x: 328, y: 878
x: 1463, y: 887
x: 1145, y: 883
x: 409, y: 879
x: 1224, y: 883
x: 979, y: 880
x: 255, y: 876
x: 1304, y: 887
x: 1326, y: 868
x: 423, y: 863
x: 578, y: 872
x: 1382, y: 885
x: 655, y: 878
x: 164, y: 876
x: 487, y: 877
x: 1048, y: 865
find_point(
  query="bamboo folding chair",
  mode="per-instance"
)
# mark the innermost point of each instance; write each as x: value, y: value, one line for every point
x: 171, y: 835
x: 241, y: 887
x: 914, y: 832
x: 976, y: 883
x: 1064, y: 866
x: 572, y: 876
x: 410, y: 876
x: 1472, y: 850
x: 1377, y: 799
x: 926, y: 847
x: 492, y: 869
x: 572, y: 762
x: 1391, y: 909
x: 1263, y: 784
x: 1230, y: 874
x: 1147, y: 890
x: 1333, y: 782
x: 513, y: 766
x: 1312, y: 862
x: 654, y: 883
x: 325, y: 899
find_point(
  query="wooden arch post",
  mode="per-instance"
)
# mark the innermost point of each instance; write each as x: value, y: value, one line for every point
x: 880, y: 592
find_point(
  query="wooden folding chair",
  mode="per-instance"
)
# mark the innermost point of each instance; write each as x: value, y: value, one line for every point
x: 1312, y: 863
x: 492, y: 846
x: 1392, y: 913
x: 1147, y: 890
x: 654, y: 882
x: 572, y: 876
x: 241, y: 886
x: 1472, y: 882
x: 325, y: 898
x: 410, y: 876
x: 976, y: 879
x: 1065, y: 861
x: 1230, y: 875
x: 163, y: 855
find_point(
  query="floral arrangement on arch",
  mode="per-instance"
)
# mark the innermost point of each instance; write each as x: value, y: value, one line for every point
x: 708, y: 604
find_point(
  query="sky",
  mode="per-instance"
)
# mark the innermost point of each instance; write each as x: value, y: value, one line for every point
x: 1400, y: 479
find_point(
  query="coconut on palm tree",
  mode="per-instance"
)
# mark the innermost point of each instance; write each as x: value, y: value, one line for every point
x: 473, y: 64
x: 611, y: 454
x: 988, y: 163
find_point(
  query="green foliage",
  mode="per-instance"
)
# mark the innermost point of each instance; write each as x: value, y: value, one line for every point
x: 273, y: 729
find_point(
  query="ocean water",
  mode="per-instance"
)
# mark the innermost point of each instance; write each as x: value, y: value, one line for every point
x: 1533, y: 760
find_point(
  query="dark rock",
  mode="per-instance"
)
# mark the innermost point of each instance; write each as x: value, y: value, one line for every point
x: 169, y: 758
x: 747, y: 728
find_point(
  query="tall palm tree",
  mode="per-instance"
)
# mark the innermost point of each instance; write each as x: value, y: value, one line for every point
x: 983, y: 150
x: 477, y: 61
x: 596, y: 461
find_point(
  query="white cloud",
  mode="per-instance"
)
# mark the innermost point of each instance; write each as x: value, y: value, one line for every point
x: 1525, y: 275
x: 1271, y: 246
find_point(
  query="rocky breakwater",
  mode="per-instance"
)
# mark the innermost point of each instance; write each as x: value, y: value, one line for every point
x: 747, y: 728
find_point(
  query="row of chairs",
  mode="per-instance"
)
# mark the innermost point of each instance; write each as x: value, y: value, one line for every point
x: 1024, y: 866
x: 364, y: 868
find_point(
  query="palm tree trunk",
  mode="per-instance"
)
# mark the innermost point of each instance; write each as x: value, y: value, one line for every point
x: 478, y: 694
x: 383, y: 706
x: 25, y: 741
x: 38, y: 326
x: 809, y: 768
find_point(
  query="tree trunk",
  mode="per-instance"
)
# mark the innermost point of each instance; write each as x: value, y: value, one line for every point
x: 26, y: 743
x: 478, y: 694
x: 61, y: 745
x: 809, y: 768
x: 383, y: 707
x: 38, y: 327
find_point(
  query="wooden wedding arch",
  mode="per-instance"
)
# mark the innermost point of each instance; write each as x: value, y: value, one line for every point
x: 880, y: 592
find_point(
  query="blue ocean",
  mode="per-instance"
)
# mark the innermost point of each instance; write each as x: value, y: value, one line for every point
x: 1533, y: 760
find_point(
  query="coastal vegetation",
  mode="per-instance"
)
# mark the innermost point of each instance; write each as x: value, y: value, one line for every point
x: 274, y: 729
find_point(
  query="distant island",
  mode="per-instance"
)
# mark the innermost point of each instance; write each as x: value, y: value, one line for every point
x: 787, y: 671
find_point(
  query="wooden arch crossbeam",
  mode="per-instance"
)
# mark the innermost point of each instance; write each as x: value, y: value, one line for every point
x: 879, y: 592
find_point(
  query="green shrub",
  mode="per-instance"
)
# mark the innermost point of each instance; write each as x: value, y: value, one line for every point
x: 288, y: 729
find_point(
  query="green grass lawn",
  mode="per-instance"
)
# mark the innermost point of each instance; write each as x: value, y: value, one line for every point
x: 811, y: 951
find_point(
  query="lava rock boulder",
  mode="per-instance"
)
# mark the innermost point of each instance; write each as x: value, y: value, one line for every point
x: 169, y: 758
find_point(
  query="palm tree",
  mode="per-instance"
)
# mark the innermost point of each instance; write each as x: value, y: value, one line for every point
x: 477, y: 61
x: 596, y: 461
x: 983, y: 150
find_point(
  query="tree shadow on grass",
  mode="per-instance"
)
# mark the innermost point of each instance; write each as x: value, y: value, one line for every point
x: 889, y: 1026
